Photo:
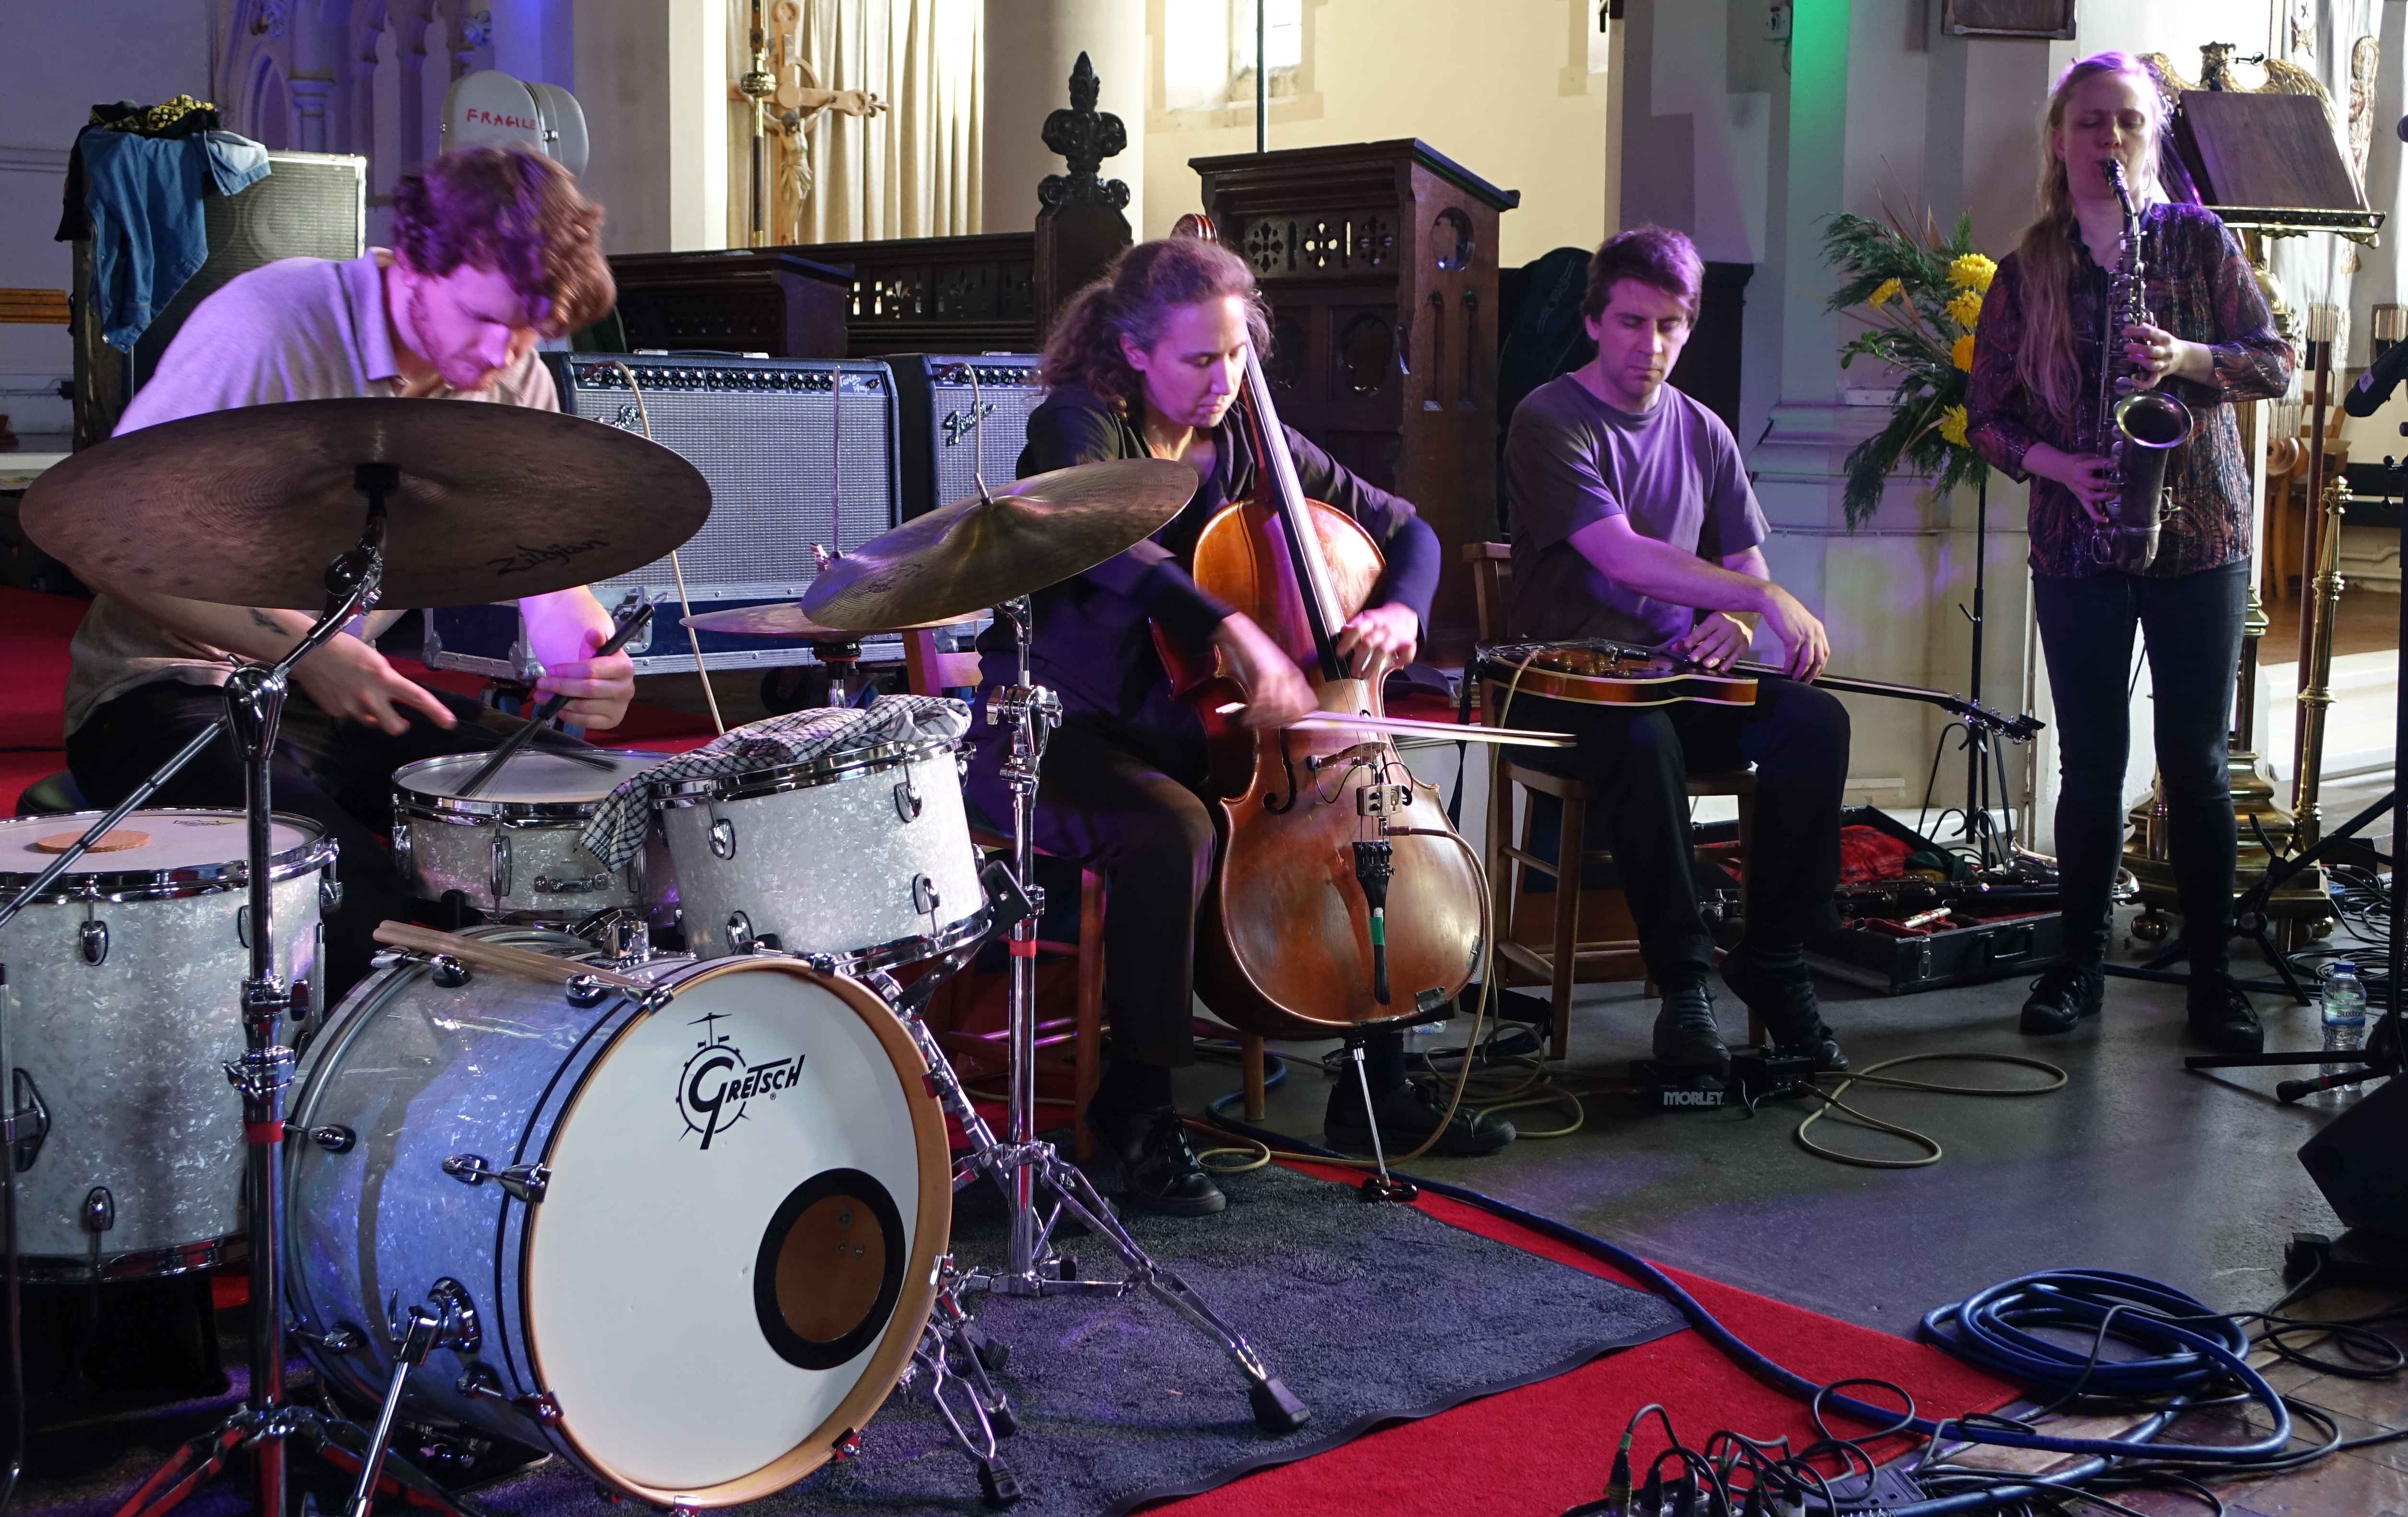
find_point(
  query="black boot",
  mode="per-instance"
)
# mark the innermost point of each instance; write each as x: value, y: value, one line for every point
x: 1686, y: 1038
x: 2221, y: 1016
x: 2062, y: 996
x: 1785, y: 1000
x: 1159, y: 1170
x: 1408, y: 1115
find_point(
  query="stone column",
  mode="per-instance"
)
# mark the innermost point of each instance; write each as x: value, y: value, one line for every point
x: 1031, y: 45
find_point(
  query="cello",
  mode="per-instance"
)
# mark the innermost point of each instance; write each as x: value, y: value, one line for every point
x: 1343, y: 896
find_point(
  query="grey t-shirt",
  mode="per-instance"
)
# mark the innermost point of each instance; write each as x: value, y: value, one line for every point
x: 1573, y: 461
x: 298, y: 329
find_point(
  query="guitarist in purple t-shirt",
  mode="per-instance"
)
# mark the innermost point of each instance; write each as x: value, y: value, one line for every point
x: 1613, y: 477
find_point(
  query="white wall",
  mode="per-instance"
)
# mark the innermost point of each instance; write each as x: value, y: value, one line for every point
x: 56, y: 62
x: 1031, y: 46
x: 652, y: 76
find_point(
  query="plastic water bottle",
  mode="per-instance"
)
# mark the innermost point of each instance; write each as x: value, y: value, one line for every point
x: 2345, y: 999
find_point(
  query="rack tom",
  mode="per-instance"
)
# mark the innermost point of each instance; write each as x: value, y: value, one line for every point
x: 862, y: 856
x: 513, y: 850
x: 126, y: 977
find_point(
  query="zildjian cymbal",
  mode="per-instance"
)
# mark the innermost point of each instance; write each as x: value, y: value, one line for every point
x: 248, y: 506
x: 990, y: 549
x: 785, y: 618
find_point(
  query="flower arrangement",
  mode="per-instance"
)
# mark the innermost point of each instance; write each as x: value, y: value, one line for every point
x: 1920, y: 296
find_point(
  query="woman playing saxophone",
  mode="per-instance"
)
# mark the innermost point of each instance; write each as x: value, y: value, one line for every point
x: 2062, y: 346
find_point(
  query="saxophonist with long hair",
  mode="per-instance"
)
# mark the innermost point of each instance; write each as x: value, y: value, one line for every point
x: 2115, y: 340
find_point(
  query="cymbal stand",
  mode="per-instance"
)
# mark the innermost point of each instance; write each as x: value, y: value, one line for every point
x: 1024, y: 1165
x: 255, y: 695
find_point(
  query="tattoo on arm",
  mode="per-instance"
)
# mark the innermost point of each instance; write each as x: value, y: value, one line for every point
x: 260, y: 619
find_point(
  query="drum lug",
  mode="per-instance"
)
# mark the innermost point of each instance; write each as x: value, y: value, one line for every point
x: 343, y: 1338
x: 924, y: 898
x: 448, y: 972
x: 28, y: 1124
x: 742, y: 939
x: 459, y: 1314
x: 847, y: 1444
x: 330, y: 889
x: 497, y: 877
x: 525, y: 1183
x: 402, y: 844
x: 543, y: 1406
x: 482, y: 1385
x: 91, y: 940
x: 907, y: 801
x: 334, y: 1137
x: 585, y: 992
x: 100, y: 1210
x: 722, y: 838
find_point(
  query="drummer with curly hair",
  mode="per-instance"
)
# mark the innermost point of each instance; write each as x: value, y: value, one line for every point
x: 492, y: 250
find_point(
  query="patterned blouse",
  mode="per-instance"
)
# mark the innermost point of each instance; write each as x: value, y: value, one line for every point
x: 2200, y: 288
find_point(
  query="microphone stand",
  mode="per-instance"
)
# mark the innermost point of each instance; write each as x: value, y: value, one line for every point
x: 254, y: 707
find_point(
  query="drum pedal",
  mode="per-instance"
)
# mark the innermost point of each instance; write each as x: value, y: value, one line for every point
x: 997, y: 1484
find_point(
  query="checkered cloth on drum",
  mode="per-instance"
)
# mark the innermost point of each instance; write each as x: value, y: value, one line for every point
x: 616, y: 834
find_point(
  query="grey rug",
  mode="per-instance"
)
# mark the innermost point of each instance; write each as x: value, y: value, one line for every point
x: 1368, y: 1313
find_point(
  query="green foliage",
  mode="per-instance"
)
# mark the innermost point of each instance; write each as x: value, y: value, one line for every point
x: 1913, y: 332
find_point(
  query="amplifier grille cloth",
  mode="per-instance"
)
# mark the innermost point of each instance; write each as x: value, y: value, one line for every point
x: 788, y: 466
x: 1007, y: 393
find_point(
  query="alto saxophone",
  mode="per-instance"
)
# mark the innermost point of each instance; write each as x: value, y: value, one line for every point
x: 2144, y: 426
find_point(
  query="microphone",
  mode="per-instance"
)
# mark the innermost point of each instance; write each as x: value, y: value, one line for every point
x: 2376, y: 385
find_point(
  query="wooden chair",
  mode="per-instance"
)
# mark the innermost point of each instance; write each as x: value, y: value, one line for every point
x: 932, y: 671
x: 1520, y: 947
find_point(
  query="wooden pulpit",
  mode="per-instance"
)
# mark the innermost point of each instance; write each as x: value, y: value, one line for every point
x: 1378, y: 262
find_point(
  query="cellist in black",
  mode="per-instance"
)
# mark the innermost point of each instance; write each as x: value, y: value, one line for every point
x: 1148, y: 362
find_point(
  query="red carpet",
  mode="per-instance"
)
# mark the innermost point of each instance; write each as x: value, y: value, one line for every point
x: 1534, y: 1451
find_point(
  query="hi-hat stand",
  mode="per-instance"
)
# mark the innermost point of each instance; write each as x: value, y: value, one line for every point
x: 254, y: 706
x: 1043, y: 1189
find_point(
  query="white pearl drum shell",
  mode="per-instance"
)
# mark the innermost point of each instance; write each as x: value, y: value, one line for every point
x: 128, y: 1055
x: 830, y: 866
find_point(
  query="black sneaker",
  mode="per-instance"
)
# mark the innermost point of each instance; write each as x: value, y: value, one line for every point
x: 1159, y: 1170
x: 1408, y: 1115
x: 1686, y: 1038
x: 2062, y: 996
x: 2221, y: 1016
x: 1792, y: 1018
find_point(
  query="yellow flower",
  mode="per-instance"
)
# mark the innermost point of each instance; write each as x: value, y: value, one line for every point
x: 1962, y: 353
x: 1952, y: 424
x: 1965, y: 308
x: 1889, y: 290
x: 1972, y: 272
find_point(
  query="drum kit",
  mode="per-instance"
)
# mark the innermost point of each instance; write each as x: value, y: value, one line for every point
x: 586, y: 1165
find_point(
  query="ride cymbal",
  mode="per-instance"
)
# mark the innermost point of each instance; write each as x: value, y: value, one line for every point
x: 987, y: 549
x: 248, y: 506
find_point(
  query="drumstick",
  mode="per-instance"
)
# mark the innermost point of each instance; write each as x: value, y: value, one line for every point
x: 523, y: 962
x: 512, y: 744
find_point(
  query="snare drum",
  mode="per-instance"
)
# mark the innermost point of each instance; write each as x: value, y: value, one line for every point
x: 512, y: 849
x: 699, y: 1230
x: 865, y: 856
x: 128, y: 981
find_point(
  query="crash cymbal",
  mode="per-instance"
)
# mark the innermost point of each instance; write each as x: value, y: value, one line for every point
x: 985, y: 550
x: 785, y: 618
x: 248, y: 506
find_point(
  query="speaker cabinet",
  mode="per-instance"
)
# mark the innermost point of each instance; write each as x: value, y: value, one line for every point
x: 963, y: 419
x: 312, y: 205
x: 796, y: 454
x: 2361, y: 1161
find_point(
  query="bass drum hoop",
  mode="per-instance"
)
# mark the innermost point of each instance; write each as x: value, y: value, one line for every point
x: 930, y: 1240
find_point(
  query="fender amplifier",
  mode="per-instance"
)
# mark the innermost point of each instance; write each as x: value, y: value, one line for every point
x: 796, y: 454
x: 961, y: 418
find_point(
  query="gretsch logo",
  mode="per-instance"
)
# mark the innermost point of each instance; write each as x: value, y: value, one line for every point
x: 716, y: 1084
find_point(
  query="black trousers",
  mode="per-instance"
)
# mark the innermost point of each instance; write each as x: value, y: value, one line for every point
x: 2191, y: 624
x: 338, y: 774
x: 1641, y: 758
x: 1126, y: 801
